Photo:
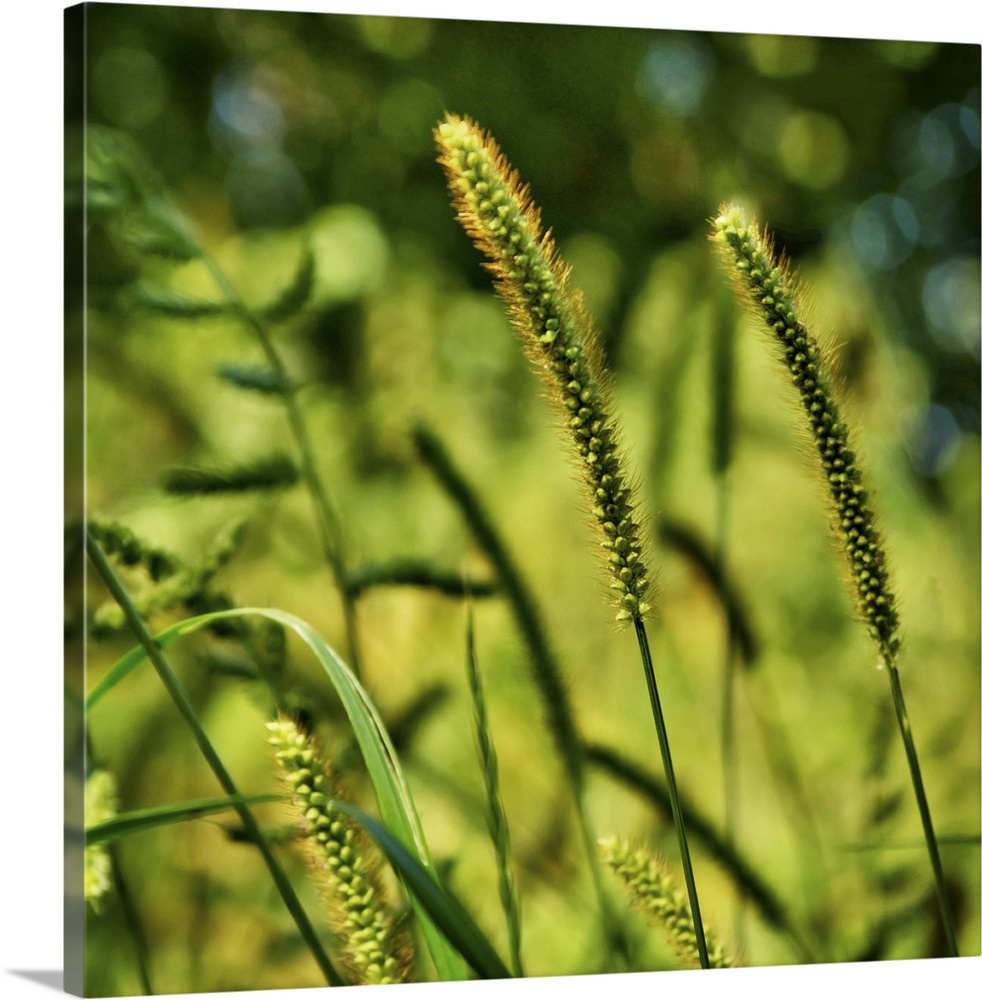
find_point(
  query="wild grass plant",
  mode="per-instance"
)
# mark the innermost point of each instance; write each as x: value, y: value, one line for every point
x: 478, y: 705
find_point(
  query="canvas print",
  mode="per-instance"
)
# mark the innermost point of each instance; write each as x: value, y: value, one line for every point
x: 522, y: 500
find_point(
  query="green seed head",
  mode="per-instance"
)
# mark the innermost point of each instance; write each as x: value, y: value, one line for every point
x: 100, y: 806
x: 764, y: 281
x: 655, y: 895
x: 374, y: 950
x: 497, y: 213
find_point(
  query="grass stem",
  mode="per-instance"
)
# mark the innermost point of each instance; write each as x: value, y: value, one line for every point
x: 922, y: 807
x: 497, y: 820
x: 673, y: 792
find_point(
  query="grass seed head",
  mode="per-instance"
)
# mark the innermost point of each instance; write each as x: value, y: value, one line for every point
x: 373, y: 949
x: 497, y: 213
x: 655, y: 895
x: 765, y: 282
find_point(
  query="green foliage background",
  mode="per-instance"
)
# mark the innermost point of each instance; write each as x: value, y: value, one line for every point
x: 273, y: 131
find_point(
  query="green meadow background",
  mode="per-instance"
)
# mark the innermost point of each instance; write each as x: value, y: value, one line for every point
x: 274, y: 131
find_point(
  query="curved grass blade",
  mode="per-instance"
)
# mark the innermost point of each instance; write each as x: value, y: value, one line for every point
x: 394, y: 799
x: 452, y: 919
x: 139, y: 820
x: 177, y: 694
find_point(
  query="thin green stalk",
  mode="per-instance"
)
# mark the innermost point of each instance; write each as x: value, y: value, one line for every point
x: 545, y: 667
x: 497, y: 820
x: 173, y: 687
x: 922, y: 806
x: 673, y: 791
x: 747, y: 880
x: 131, y: 918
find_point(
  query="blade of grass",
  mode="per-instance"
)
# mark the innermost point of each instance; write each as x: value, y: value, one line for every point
x: 152, y: 650
x: 134, y: 924
x: 545, y: 667
x: 452, y: 919
x: 140, y: 820
x: 395, y: 801
x: 497, y: 821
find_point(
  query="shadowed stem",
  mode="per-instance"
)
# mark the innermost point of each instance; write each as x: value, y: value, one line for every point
x: 131, y: 917
x: 915, y: 776
x: 673, y: 792
x: 179, y: 697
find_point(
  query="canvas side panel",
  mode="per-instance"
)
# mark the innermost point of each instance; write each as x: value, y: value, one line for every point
x: 74, y: 499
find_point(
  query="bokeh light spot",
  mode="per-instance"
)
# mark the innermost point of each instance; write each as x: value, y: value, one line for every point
x: 813, y: 148
x: 884, y: 229
x: 351, y: 252
x: 782, y: 55
x: 243, y: 111
x: 950, y: 295
x: 129, y: 87
x: 932, y: 439
x: 968, y: 118
x: 398, y: 37
x: 936, y: 146
x: 907, y: 55
x: 675, y: 76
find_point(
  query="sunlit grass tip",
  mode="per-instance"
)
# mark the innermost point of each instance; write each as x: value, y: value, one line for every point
x: 374, y: 949
x: 497, y: 213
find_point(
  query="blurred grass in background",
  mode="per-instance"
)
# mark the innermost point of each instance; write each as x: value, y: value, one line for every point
x: 273, y: 131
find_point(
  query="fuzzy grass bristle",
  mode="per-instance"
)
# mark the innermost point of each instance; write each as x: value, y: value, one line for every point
x: 497, y: 213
